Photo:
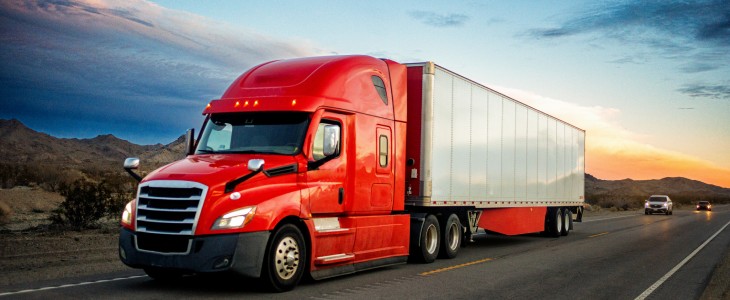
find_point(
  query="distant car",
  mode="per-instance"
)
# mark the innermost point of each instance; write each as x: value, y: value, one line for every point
x: 658, y: 203
x: 704, y: 205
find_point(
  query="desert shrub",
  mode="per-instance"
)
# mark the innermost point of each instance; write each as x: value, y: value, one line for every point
x: 5, y: 213
x: 87, y: 202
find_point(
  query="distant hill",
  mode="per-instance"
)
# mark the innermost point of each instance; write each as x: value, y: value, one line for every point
x: 632, y: 193
x: 23, y: 147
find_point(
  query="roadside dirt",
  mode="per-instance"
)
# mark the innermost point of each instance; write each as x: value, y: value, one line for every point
x: 30, y: 252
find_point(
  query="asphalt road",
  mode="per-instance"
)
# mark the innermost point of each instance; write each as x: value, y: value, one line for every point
x: 618, y: 256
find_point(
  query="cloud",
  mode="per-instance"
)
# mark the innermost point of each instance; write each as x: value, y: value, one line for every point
x: 439, y: 20
x: 719, y: 92
x: 112, y: 62
x: 691, y: 31
x: 695, y: 35
x: 706, y: 21
x: 612, y: 151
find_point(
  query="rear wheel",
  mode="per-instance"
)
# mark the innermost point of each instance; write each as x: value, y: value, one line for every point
x: 451, y: 237
x: 567, y: 220
x: 285, y: 260
x: 554, y: 222
x: 428, y: 241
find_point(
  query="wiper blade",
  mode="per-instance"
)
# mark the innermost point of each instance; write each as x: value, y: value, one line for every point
x: 244, y: 152
x: 206, y: 151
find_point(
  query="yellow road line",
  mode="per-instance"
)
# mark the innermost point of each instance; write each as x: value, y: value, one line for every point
x: 456, y: 267
x: 599, y: 234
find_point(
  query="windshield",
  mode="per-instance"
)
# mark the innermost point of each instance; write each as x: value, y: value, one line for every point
x: 657, y: 199
x: 271, y: 133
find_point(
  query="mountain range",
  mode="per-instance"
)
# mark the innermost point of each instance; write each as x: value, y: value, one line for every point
x: 21, y: 145
x: 24, y: 146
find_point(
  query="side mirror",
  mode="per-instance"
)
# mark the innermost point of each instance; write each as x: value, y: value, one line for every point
x: 190, y: 141
x: 255, y: 165
x: 130, y: 164
x: 331, y: 140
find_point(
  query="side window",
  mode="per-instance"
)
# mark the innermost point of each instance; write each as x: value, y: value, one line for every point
x: 383, y: 151
x: 380, y: 88
x: 318, y: 145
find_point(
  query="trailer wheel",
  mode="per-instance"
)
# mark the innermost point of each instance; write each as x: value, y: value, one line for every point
x: 428, y: 241
x: 567, y: 221
x: 285, y: 260
x: 554, y: 222
x: 451, y: 237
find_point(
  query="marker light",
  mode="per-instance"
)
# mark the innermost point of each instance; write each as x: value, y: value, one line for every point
x: 245, y: 104
x: 294, y: 102
x: 256, y: 103
x: 238, y: 103
x: 207, y: 106
x: 235, y: 219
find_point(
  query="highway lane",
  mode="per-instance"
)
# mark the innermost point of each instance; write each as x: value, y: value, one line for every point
x: 606, y: 257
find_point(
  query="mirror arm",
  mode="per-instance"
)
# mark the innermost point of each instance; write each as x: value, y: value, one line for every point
x: 231, y: 185
x: 314, y: 165
x: 134, y: 175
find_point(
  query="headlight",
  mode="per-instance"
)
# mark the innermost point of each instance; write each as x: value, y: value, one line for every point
x: 665, y: 205
x: 128, y: 213
x: 646, y: 204
x: 235, y: 219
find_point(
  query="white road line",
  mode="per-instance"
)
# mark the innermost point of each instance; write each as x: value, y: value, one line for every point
x: 610, y: 218
x: 69, y: 285
x: 677, y: 267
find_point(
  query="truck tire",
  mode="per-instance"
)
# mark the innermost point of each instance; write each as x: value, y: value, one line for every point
x: 567, y: 221
x: 554, y: 222
x: 162, y: 274
x: 428, y: 241
x: 286, y: 259
x: 451, y: 237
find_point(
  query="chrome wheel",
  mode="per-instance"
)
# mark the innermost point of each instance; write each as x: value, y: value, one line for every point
x: 432, y: 238
x: 287, y: 258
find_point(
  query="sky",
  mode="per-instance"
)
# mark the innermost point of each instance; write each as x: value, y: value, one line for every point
x: 649, y: 81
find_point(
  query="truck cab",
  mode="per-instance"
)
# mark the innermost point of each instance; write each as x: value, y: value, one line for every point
x: 298, y: 168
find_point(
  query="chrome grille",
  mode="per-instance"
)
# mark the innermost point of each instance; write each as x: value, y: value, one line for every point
x: 169, y: 207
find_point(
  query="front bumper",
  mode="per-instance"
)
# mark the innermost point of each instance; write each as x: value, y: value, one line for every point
x: 663, y: 209
x: 242, y: 253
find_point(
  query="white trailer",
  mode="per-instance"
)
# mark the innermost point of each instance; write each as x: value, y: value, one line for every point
x: 494, y: 162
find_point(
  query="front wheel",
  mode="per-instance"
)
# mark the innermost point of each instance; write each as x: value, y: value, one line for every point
x: 285, y: 260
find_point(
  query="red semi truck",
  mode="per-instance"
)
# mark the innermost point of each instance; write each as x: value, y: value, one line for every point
x: 332, y: 165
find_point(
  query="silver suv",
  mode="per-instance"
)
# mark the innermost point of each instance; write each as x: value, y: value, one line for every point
x: 658, y: 203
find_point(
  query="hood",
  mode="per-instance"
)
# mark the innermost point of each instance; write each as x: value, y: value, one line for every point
x: 216, y: 169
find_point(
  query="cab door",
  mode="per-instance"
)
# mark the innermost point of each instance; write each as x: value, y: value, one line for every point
x: 327, y: 174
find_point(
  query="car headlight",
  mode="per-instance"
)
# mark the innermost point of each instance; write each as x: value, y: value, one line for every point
x: 235, y: 219
x: 128, y: 213
x: 665, y: 205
